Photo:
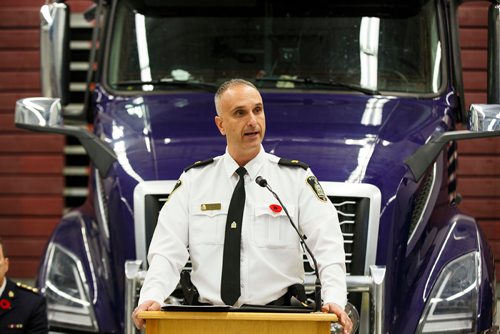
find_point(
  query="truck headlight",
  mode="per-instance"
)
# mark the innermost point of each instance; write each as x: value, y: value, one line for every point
x: 452, y: 304
x: 66, y: 291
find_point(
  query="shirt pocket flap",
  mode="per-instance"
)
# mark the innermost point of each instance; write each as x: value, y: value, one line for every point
x: 274, y: 210
x: 272, y: 227
x: 209, y: 209
x: 207, y: 223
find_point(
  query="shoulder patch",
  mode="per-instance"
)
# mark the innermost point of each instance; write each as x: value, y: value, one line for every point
x: 199, y: 164
x: 313, y: 182
x: 27, y: 287
x: 177, y: 185
x: 293, y: 163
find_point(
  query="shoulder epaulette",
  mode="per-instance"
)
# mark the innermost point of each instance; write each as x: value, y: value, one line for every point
x: 199, y: 164
x: 293, y: 163
x: 27, y: 287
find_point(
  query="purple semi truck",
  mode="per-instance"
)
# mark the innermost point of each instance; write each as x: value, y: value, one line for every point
x: 367, y: 92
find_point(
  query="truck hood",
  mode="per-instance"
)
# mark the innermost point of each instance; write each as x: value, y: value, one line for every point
x: 344, y: 138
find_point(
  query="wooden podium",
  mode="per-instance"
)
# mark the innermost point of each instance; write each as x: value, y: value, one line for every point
x: 236, y: 322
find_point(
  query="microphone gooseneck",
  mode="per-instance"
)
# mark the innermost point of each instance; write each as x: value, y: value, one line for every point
x: 317, y: 285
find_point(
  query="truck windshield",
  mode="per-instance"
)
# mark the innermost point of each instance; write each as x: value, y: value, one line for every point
x: 178, y: 45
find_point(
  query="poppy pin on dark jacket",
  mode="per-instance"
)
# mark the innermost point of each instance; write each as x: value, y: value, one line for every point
x: 4, y: 304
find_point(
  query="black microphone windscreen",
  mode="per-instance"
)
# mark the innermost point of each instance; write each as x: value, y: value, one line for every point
x: 261, y: 181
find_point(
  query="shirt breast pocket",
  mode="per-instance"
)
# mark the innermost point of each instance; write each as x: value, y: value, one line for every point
x: 207, y: 225
x: 273, y: 229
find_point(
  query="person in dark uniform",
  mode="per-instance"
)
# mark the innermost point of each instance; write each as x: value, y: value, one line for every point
x: 22, y: 308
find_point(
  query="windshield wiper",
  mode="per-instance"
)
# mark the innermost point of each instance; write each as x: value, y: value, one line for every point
x: 308, y: 82
x: 211, y: 87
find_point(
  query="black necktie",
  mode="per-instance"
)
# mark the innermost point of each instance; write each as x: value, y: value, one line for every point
x: 230, y: 282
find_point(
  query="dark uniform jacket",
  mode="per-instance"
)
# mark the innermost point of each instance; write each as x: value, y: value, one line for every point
x: 22, y: 310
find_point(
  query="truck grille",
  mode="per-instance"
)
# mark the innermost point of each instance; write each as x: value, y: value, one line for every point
x: 353, y: 215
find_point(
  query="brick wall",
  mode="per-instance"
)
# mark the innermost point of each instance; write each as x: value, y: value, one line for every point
x: 31, y: 164
x: 479, y: 159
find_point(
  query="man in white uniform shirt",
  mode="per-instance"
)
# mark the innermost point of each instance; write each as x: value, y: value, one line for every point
x: 271, y: 258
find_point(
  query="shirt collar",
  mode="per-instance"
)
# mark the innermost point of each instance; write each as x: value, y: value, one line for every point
x: 2, y: 288
x: 253, y: 166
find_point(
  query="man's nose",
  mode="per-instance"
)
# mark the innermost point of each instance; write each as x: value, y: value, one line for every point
x: 252, y: 120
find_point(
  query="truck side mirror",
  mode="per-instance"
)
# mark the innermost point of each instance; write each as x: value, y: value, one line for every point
x: 44, y: 114
x: 484, y: 117
x: 39, y: 112
x: 54, y: 51
x: 484, y: 121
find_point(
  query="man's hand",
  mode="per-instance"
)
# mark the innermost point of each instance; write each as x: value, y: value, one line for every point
x: 148, y: 305
x: 344, y: 319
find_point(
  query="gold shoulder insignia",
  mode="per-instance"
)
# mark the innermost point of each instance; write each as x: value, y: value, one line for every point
x: 293, y: 163
x: 178, y: 184
x: 27, y: 287
x: 313, y: 182
x: 199, y: 164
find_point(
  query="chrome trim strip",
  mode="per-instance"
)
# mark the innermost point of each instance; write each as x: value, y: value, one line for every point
x: 133, y: 277
x: 54, y: 19
x: 378, y: 295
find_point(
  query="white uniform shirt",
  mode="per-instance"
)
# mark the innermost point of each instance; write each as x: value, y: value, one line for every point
x: 271, y: 256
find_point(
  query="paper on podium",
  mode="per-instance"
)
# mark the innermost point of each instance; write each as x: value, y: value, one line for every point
x: 243, y: 308
x: 196, y: 308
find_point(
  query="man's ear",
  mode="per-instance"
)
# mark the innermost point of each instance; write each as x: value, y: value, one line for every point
x: 218, y: 122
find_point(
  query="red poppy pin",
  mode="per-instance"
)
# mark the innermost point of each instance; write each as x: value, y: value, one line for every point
x: 275, y: 208
x: 4, y: 304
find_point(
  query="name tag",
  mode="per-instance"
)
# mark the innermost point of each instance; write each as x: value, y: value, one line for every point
x: 210, y: 206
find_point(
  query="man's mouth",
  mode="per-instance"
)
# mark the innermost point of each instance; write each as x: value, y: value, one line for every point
x: 251, y: 133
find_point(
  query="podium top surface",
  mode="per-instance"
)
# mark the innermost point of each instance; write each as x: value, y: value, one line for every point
x: 262, y: 316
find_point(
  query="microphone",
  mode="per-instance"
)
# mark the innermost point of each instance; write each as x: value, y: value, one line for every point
x: 317, y: 285
x: 261, y: 181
